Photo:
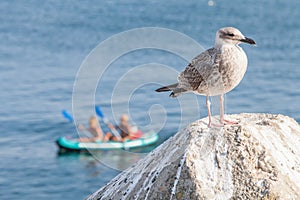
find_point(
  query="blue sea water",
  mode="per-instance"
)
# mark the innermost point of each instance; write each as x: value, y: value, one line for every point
x: 43, y: 43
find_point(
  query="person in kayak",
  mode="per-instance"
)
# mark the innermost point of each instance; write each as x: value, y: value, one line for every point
x: 124, y: 128
x: 94, y: 129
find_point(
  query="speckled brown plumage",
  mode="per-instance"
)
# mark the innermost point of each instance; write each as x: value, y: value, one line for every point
x: 215, y: 71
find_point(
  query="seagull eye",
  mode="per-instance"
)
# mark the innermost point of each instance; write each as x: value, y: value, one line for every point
x: 230, y: 34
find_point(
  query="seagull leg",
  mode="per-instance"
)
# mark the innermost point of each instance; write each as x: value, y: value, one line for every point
x: 222, y: 120
x: 208, y: 111
x: 222, y: 109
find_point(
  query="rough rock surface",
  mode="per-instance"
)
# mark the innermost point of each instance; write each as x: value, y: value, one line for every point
x: 257, y: 159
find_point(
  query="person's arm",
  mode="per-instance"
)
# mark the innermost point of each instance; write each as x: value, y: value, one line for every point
x: 111, y: 126
x: 81, y: 127
x: 100, y: 134
x: 84, y: 139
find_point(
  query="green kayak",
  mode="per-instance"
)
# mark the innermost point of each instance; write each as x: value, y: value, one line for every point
x: 67, y: 144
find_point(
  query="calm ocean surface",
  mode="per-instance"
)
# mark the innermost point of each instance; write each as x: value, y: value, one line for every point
x: 43, y: 43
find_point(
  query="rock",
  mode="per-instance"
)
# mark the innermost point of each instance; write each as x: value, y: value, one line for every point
x: 257, y: 159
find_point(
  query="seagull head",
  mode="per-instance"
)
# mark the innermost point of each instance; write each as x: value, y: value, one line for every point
x: 230, y: 35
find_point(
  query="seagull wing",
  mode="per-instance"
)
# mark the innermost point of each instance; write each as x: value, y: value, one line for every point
x: 198, y: 70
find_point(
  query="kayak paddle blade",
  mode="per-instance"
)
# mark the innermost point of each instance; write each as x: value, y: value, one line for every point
x: 67, y: 115
x: 99, y: 111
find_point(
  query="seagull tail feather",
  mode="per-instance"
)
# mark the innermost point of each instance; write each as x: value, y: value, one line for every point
x: 174, y: 88
x: 167, y: 88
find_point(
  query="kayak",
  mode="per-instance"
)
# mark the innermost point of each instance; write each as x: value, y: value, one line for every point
x: 69, y: 144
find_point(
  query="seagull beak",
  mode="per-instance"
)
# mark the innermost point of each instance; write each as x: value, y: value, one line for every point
x: 248, y: 40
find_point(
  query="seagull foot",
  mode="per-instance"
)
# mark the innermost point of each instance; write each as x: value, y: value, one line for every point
x: 228, y: 122
x: 221, y: 123
x: 215, y: 125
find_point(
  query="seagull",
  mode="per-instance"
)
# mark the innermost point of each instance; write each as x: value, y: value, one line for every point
x: 215, y: 71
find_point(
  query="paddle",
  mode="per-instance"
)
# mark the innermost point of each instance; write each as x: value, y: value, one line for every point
x: 67, y: 115
x: 106, y: 121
